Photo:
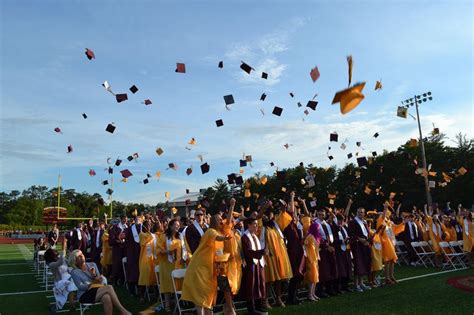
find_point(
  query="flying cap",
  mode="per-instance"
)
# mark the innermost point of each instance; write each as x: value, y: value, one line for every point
x: 246, y: 67
x: 292, y: 95
x: 376, y: 135
x: 146, y: 181
x: 349, y: 155
x: 69, y: 148
x: 180, y: 67
x: 110, y: 128
x: 264, y: 75
x: 84, y: 115
x: 126, y: 173
x: 105, y: 182
x: 189, y: 171
x: 402, y: 112
x: 312, y: 104
x: 121, y: 97
x: 219, y: 123
x: 110, y: 170
x: 205, y: 168
x: 133, y: 89
x: 159, y: 151
x: 362, y: 161
x: 118, y: 162
x: 147, y: 102
x: 243, y: 163
x: 57, y: 129
x: 277, y: 111
x: 221, y: 64
x: 173, y: 166
x: 89, y: 54
x: 314, y: 74
x: 349, y: 98
x: 333, y: 137
x: 378, y: 85
x: 92, y: 172
x: 229, y: 99
x: 263, y: 97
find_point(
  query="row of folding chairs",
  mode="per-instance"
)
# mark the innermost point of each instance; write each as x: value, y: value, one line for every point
x: 455, y: 257
x: 424, y: 253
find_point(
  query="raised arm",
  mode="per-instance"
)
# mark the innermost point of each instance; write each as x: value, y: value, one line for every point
x: 305, y: 208
x: 398, y: 209
x: 348, y: 207
x: 292, y: 204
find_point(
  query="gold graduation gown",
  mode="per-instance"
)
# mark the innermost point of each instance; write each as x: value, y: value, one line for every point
x: 106, y: 258
x: 170, y: 263
x: 234, y: 264
x: 388, y: 237
x: 467, y: 233
x: 312, y: 257
x: 146, y: 263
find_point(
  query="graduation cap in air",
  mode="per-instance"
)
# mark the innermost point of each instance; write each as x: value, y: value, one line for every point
x: 239, y: 180
x: 189, y: 171
x: 263, y: 97
x: 264, y: 75
x: 172, y: 166
x: 118, y: 162
x: 376, y: 135
x: 69, y: 149
x: 378, y: 85
x: 435, y: 131
x: 126, y: 173
x: 229, y: 99
x: 306, y: 112
x: 121, y: 97
x: 105, y: 182
x: 299, y: 104
x: 272, y: 164
x: 57, y: 130
x: 133, y: 89
x: 312, y: 104
x: 349, y: 155
x: 362, y: 161
x: 374, y: 153
x: 180, y: 68
x: 246, y: 67
x: 333, y: 137
x: 243, y: 163
x: 84, y: 115
x: 159, y: 151
x: 248, y: 158
x: 146, y: 181
x: 292, y: 95
x: 314, y: 74
x: 281, y: 175
x: 277, y: 111
x: 349, y: 98
x: 221, y: 64
x: 110, y: 170
x: 205, y: 168
x: 130, y: 158
x: 231, y: 178
x: 109, y: 191
x: 330, y: 157
x: 92, y: 172
x: 147, y: 102
x: 219, y: 123
x: 89, y: 54
x: 110, y: 128
x: 402, y: 112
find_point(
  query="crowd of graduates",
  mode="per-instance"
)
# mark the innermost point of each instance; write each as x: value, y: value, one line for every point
x: 272, y: 251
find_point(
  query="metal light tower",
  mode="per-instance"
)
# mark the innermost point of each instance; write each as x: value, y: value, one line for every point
x: 418, y: 99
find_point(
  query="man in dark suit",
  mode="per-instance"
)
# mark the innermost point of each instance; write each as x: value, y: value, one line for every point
x: 79, y: 238
x: 96, y: 244
x: 411, y: 234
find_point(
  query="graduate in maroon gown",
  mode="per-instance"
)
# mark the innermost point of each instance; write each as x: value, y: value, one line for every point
x: 343, y: 254
x: 79, y: 238
x: 327, y: 263
x: 253, y: 272
x: 117, y: 242
x: 359, y: 241
x: 294, y: 237
x: 195, y: 231
x: 96, y: 244
x: 132, y: 249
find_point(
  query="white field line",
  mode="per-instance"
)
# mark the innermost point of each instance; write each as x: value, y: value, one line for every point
x: 431, y: 274
x: 21, y: 293
x: 25, y: 263
x: 17, y: 274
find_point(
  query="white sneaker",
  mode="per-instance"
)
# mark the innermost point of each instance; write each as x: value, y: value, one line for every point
x: 359, y: 289
x: 365, y: 287
x: 414, y: 264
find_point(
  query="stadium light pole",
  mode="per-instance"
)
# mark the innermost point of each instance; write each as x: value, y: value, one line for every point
x: 418, y: 99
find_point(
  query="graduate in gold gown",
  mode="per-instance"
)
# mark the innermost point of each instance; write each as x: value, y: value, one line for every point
x: 311, y: 244
x: 106, y: 259
x: 466, y: 220
x: 376, y: 262
x: 171, y: 245
x: 200, y: 282
x: 387, y: 237
x: 147, y: 256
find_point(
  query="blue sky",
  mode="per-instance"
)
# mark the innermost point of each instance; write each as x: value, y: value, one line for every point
x: 47, y: 82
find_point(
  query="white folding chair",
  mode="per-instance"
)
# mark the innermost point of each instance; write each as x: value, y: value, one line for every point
x: 46, y: 275
x: 428, y: 253
x: 157, y: 275
x: 448, y: 254
x: 176, y: 275
x: 40, y: 258
x: 457, y: 254
x: 419, y: 253
x: 85, y: 306
x: 124, y: 267
x: 401, y: 252
x: 465, y: 254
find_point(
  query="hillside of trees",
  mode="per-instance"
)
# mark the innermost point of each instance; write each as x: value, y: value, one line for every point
x: 390, y: 172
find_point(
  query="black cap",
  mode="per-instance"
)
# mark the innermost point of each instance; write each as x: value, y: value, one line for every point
x: 358, y: 143
x: 69, y: 148
x: 205, y: 168
x: 277, y: 111
x: 110, y: 128
x: 263, y: 97
x: 148, y: 175
x: 229, y: 99
x: 272, y: 164
x: 376, y: 135
x: 121, y: 97
x: 130, y: 158
x: 330, y: 157
x: 292, y: 95
x: 231, y: 178
x: 300, y: 105
x: 109, y: 191
x: 374, y: 153
x: 243, y: 163
x: 118, y: 162
x: 264, y: 75
x: 110, y: 170
x: 362, y: 161
x: 147, y: 102
x: 172, y: 165
x: 219, y: 123
x: 333, y: 137
x: 221, y: 64
x: 146, y: 181
x: 84, y: 115
x: 312, y: 104
x: 105, y: 182
x: 239, y: 180
x: 133, y: 89
x: 281, y: 175
x: 349, y: 155
x: 246, y: 67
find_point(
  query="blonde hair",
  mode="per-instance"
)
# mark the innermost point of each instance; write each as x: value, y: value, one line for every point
x: 72, y: 258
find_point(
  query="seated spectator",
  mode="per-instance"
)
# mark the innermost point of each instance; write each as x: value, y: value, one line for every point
x: 91, y: 285
x: 63, y: 284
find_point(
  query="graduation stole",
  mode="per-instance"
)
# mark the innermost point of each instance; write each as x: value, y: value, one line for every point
x: 362, y: 226
x: 411, y: 227
x: 184, y: 252
x: 79, y: 234
x: 198, y: 228
x: 135, y: 233
x: 321, y: 230
x: 279, y: 230
x: 254, y: 246
x: 262, y: 236
x: 97, y: 239
x: 122, y: 226
x: 154, y: 245
x: 466, y: 226
x: 436, y: 228
x: 342, y: 237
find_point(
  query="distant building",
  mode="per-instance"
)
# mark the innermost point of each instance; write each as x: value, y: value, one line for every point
x: 192, y: 200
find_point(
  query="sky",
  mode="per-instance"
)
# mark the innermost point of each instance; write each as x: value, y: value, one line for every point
x: 47, y: 82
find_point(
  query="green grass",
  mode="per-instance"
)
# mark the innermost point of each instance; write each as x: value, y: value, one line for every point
x: 429, y: 295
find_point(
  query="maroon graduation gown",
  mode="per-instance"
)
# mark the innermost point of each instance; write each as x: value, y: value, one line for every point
x: 96, y: 251
x: 193, y: 237
x: 327, y: 263
x: 118, y: 251
x: 360, y: 252
x: 343, y: 256
x: 77, y: 243
x: 132, y: 249
x: 294, y: 246
x: 253, y: 275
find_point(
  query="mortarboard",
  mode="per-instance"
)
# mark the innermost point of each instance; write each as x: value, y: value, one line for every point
x: 148, y: 175
x: 300, y: 105
x: 462, y: 171
x: 205, y: 168
x: 231, y: 178
x: 110, y: 170
x: 330, y: 157
x: 107, y: 87
x: 243, y: 163
x: 147, y: 102
x: 229, y: 99
x: 69, y: 149
x: 262, y: 98
x: 277, y: 111
x: 89, y: 54
x: 378, y: 85
x: 292, y: 95
x: 180, y: 68
x: 362, y: 161
x: 159, y: 151
x: 306, y: 112
x: 376, y: 135
x: 374, y: 153
x: 105, y: 182
x: 219, y: 123
x: 264, y: 75
x: 248, y: 158
x: 57, y: 129
x: 333, y: 137
x: 145, y: 181
x: 358, y: 143
x: 126, y: 173
x: 187, y: 191
x: 349, y: 98
x: 239, y: 180
x: 436, y: 131
x: 314, y: 74
x: 312, y: 104
x: 349, y: 155
x: 91, y: 172
x: 172, y: 166
x: 402, y: 112
x: 221, y: 64
x: 118, y: 162
x: 189, y: 171
x: 121, y: 97
x: 343, y: 146
x: 246, y: 67
x: 109, y: 191
x: 133, y: 89
x: 281, y: 175
x: 84, y: 115
x: 130, y: 158
x: 110, y: 128
x: 272, y: 164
